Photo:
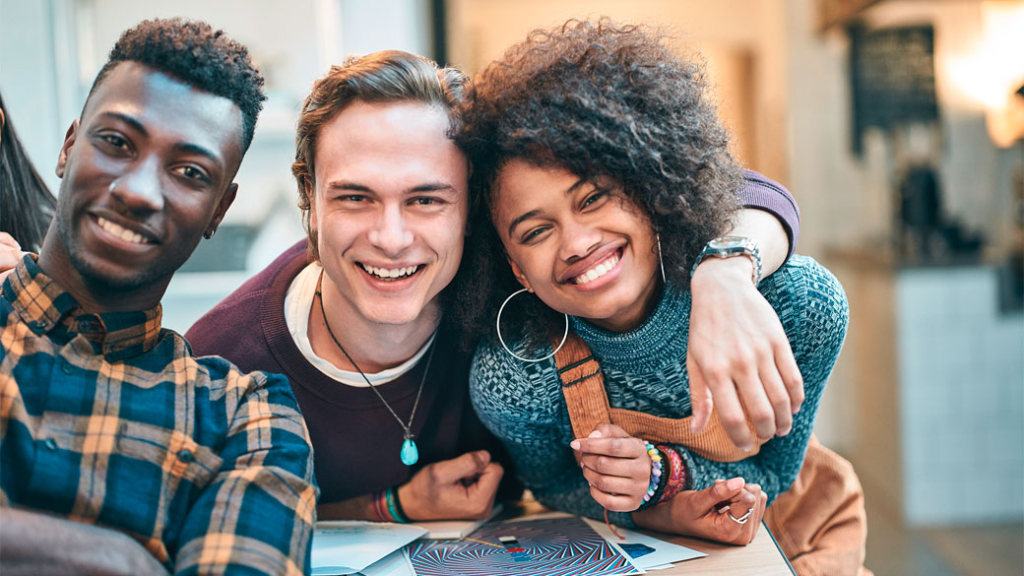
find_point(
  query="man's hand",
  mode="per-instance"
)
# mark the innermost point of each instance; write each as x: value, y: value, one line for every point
x: 38, y: 543
x: 738, y: 355
x: 704, y: 514
x: 10, y: 254
x: 460, y: 488
x: 616, y: 465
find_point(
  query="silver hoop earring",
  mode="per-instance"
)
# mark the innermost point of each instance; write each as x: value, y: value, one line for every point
x: 661, y: 262
x: 497, y: 326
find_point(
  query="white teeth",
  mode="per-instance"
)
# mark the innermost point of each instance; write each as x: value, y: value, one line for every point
x: 597, y: 271
x: 121, y: 232
x: 390, y: 273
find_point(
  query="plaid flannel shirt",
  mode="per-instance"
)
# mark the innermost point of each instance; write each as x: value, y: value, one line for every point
x: 108, y: 419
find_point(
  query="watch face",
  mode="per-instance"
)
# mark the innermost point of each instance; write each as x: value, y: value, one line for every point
x: 726, y: 242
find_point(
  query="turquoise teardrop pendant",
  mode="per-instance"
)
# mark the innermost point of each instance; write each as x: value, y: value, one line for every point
x: 410, y: 453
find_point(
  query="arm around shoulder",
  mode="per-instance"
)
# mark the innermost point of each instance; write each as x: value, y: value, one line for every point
x: 815, y: 314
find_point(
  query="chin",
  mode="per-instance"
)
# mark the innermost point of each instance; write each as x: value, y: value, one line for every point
x: 393, y: 315
x: 107, y: 275
x: 112, y: 276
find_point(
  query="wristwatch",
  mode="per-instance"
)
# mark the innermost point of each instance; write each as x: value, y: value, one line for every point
x: 729, y: 246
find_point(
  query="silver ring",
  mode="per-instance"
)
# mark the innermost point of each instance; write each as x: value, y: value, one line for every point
x: 742, y: 519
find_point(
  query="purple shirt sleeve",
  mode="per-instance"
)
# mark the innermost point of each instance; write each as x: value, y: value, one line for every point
x: 766, y: 194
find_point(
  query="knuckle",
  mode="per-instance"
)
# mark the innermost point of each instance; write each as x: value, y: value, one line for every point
x: 715, y: 371
x: 761, y: 349
x: 733, y: 421
x: 764, y: 421
x: 742, y: 357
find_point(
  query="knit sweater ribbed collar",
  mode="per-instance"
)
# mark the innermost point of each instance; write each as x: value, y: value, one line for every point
x: 662, y: 335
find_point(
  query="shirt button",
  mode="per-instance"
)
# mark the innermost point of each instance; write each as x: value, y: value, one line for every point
x: 185, y: 456
x: 50, y: 444
x: 65, y: 367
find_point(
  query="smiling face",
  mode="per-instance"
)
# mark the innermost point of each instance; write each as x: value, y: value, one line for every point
x: 580, y: 245
x: 389, y: 204
x: 146, y: 172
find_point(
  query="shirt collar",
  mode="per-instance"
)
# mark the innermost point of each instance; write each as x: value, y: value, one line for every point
x: 44, y: 305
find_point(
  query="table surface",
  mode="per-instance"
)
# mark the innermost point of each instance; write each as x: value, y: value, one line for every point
x: 761, y: 557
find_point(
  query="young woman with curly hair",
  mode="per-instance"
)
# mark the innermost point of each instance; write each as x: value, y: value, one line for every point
x: 605, y: 171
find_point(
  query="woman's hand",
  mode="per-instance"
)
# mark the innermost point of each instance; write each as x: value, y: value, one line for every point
x: 10, y: 254
x: 704, y: 514
x: 616, y: 465
x: 738, y: 355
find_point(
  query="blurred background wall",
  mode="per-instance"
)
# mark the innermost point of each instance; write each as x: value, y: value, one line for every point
x: 896, y: 124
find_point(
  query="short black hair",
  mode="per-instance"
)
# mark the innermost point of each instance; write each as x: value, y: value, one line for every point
x: 195, y: 53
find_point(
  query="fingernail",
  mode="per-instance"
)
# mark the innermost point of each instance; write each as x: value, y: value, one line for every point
x: 734, y: 483
x: 747, y: 447
x: 785, y: 431
x: 575, y: 444
x: 595, y: 434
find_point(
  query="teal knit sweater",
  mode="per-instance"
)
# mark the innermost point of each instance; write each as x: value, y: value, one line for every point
x: 645, y: 370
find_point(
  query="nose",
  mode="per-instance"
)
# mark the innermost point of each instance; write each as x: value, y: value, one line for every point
x: 391, y: 233
x: 578, y: 240
x: 139, y: 190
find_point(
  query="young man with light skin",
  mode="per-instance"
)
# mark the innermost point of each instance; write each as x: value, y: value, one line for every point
x: 120, y: 451
x: 357, y: 317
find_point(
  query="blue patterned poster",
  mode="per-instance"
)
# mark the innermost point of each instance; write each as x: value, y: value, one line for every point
x: 560, y: 546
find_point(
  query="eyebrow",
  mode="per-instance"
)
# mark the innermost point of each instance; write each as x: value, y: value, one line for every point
x: 197, y: 149
x: 129, y: 120
x: 356, y: 187
x: 532, y: 213
x: 186, y: 147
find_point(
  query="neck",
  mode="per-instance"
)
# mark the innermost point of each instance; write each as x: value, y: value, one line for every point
x: 635, y: 315
x: 90, y: 295
x: 373, y: 346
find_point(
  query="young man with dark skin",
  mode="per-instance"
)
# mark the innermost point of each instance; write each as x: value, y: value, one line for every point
x: 120, y: 451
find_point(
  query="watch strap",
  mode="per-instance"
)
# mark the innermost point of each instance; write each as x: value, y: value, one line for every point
x: 729, y: 246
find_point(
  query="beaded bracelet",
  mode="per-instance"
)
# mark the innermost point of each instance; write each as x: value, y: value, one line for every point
x: 676, y: 473
x: 656, y: 483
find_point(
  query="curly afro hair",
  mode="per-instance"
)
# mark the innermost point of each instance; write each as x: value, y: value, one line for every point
x: 195, y: 53
x: 602, y: 101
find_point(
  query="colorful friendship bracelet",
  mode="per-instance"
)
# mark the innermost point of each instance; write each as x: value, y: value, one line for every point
x: 656, y: 483
x: 380, y: 506
x: 402, y: 516
x: 394, y: 507
x: 676, y: 474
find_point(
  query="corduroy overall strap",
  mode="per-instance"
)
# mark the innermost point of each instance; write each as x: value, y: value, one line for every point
x: 587, y: 401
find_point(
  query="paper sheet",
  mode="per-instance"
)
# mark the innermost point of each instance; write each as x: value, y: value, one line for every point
x: 344, y: 547
x: 652, y: 553
x: 448, y: 529
x: 394, y: 564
